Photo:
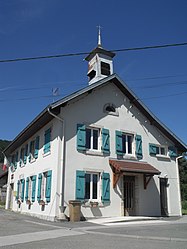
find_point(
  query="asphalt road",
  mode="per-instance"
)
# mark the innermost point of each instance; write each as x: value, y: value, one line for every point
x: 21, y: 231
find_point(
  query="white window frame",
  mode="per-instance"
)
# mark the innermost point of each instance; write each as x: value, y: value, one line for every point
x: 30, y: 189
x: 22, y: 154
x: 43, y: 186
x: 132, y: 135
x: 98, y: 199
x: 159, y: 149
x: 32, y: 150
x: 92, y: 128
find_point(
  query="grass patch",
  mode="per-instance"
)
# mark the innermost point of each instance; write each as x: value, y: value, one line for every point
x: 184, y: 207
x: 184, y: 211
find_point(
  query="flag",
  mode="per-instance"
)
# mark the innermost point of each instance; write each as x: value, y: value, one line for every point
x: 4, y: 167
x: 55, y: 91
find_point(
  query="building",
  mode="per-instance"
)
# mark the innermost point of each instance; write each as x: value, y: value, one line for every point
x: 100, y: 145
x: 3, y: 181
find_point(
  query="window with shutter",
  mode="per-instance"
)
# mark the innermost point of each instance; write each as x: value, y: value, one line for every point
x: 47, y: 141
x: 125, y: 144
x: 21, y: 160
x: 25, y: 154
x: 39, y: 186
x: 44, y: 186
x: 158, y: 150
x: 33, y: 188
x: 80, y: 185
x: 22, y: 189
x: 48, y: 186
x: 105, y: 141
x: 139, y: 153
x: 94, y: 139
x: 105, y: 187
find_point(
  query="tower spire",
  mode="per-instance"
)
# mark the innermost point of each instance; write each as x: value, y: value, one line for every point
x: 99, y: 37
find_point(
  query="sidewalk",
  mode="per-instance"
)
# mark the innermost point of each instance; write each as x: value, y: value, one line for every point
x: 121, y: 219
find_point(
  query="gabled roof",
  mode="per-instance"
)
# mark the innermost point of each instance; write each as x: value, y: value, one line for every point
x: 44, y: 117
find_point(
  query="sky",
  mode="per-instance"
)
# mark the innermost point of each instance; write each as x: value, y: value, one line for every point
x: 32, y: 28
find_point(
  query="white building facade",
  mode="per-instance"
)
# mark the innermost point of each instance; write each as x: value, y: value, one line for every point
x: 100, y: 146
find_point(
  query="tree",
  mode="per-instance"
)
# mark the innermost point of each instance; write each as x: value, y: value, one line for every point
x: 183, y: 177
x: 3, y: 145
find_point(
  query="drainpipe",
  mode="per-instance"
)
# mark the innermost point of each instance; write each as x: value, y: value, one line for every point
x: 178, y: 183
x: 63, y: 158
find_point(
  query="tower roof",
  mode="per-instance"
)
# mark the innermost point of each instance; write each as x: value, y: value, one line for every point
x: 99, y: 50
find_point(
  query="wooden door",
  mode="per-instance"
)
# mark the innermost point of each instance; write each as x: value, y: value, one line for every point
x: 129, y: 195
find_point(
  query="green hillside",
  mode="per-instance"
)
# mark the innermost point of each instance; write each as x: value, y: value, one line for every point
x: 3, y: 145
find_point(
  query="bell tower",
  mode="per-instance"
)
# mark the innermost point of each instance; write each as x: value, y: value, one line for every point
x: 100, y: 63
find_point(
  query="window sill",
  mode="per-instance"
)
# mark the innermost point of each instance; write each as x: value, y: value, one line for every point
x: 162, y: 156
x: 92, y: 204
x: 94, y: 152
x: 46, y: 154
x: 22, y: 165
x: 32, y: 160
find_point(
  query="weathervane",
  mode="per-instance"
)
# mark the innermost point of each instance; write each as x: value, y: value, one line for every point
x: 99, y: 36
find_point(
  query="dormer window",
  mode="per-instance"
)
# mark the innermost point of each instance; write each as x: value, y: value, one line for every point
x: 105, y: 68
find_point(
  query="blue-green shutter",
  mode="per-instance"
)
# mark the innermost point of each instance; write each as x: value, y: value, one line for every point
x: 21, y: 156
x: 81, y: 137
x: 25, y: 154
x: 139, y: 153
x: 33, y: 188
x: 105, y: 141
x: 48, y: 186
x: 105, y: 187
x: 37, y: 141
x: 27, y: 189
x: 152, y: 149
x: 18, y: 186
x: 80, y: 185
x: 39, y: 186
x: 22, y: 189
x: 47, y: 140
x: 119, y: 146
x: 16, y: 162
x: 30, y: 149
x: 172, y: 151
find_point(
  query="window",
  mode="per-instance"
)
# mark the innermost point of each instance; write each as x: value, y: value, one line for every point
x: 47, y: 140
x: 92, y: 186
x: 111, y: 109
x: 129, y: 144
x: 22, y: 153
x: 20, y: 190
x: 92, y: 74
x: 44, y: 186
x: 30, y: 188
x: 158, y: 150
x: 34, y: 149
x: 105, y: 68
x: 93, y: 139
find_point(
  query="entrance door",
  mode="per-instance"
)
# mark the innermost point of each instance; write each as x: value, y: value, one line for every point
x: 129, y: 195
x: 163, y: 196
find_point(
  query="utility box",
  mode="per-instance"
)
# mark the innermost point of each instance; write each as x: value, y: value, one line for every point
x: 74, y: 210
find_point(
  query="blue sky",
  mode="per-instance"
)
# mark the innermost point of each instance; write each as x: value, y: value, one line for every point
x: 30, y: 28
